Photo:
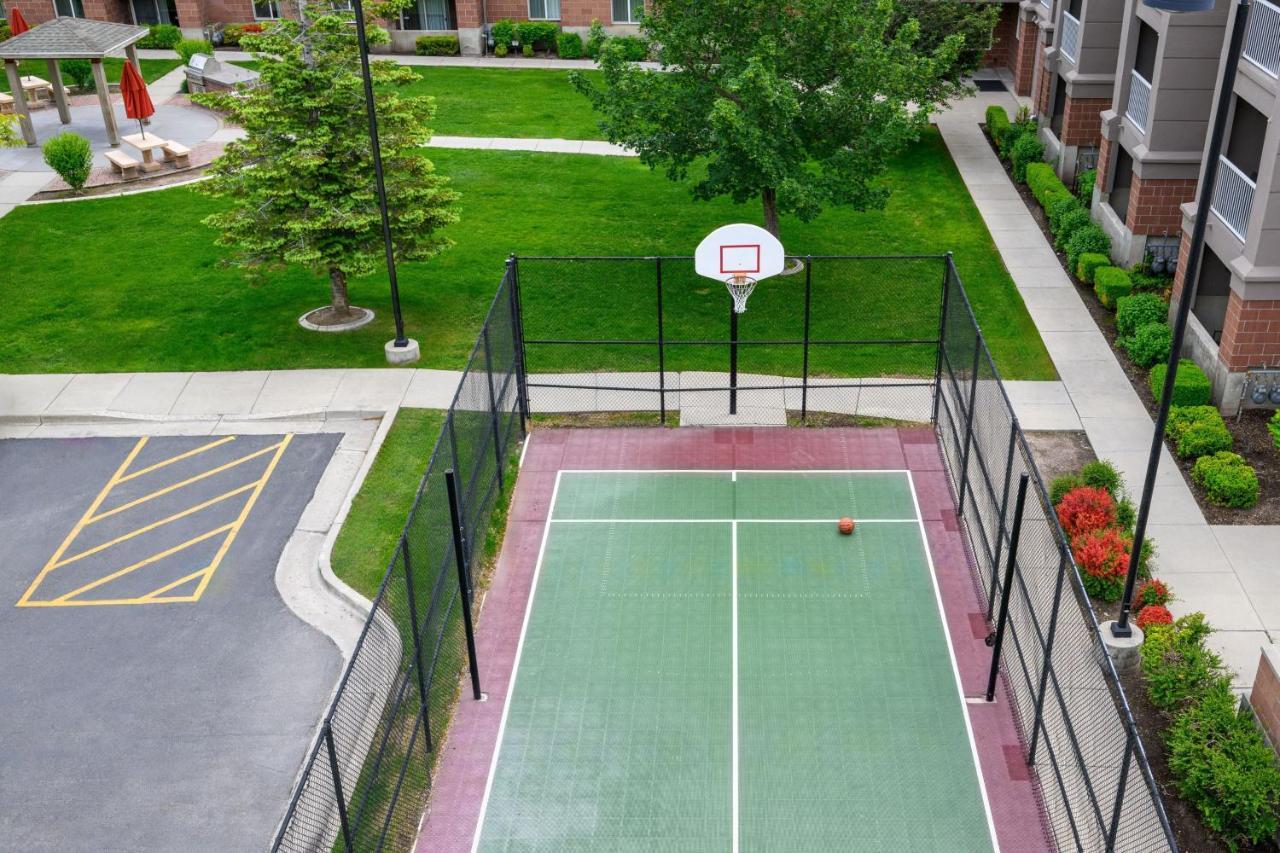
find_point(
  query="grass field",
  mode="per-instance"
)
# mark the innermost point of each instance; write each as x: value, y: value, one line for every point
x: 501, y: 102
x: 92, y: 296
x: 152, y: 70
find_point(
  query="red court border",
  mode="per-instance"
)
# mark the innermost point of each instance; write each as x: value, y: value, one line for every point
x: 463, y: 768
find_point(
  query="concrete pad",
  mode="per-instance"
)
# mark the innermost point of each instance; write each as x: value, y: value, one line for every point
x: 560, y: 146
x: 432, y: 389
x: 441, y: 141
x: 1240, y: 651
x: 1043, y: 405
x: 1108, y: 401
x: 125, y: 428
x: 151, y: 393
x: 1087, y: 372
x: 592, y: 146
x: 331, y: 491
x: 1110, y: 435
x: 1175, y: 505
x: 89, y: 392
x: 1186, y: 548
x: 1077, y: 346
x: 1132, y: 465
x: 17, y: 430
x: 1219, y: 596
x: 1251, y: 551
x: 221, y: 393
x: 27, y: 397
x: 297, y: 390
x: 1000, y: 193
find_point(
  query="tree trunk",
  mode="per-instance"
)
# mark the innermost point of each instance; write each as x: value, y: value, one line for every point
x: 769, y: 200
x: 338, y: 292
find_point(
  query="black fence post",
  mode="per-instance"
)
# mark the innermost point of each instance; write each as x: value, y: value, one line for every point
x: 1114, y: 829
x: 417, y: 634
x: 662, y: 362
x: 1008, y: 587
x: 1046, y: 663
x: 493, y: 407
x: 464, y: 588
x: 337, y: 788
x: 968, y: 425
x: 1004, y: 508
x: 517, y: 329
x: 942, y: 334
x: 733, y: 360
x: 804, y: 376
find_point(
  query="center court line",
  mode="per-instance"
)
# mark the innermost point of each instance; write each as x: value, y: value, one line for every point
x: 734, y: 760
x: 726, y: 520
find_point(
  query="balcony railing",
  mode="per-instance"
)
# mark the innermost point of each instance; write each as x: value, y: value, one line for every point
x: 1262, y: 41
x: 1233, y: 197
x: 1070, y: 36
x: 1139, y: 100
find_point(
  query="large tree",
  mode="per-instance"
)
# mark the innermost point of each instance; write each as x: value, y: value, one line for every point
x: 300, y: 183
x: 799, y: 104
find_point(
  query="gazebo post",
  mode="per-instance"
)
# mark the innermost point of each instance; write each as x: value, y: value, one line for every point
x: 20, y: 101
x: 104, y: 100
x: 59, y: 92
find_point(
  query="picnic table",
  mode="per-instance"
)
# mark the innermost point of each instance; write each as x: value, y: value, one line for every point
x: 146, y: 143
x: 33, y: 86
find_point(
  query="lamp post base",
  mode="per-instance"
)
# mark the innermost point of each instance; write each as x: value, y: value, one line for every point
x: 406, y: 354
x: 1124, y: 651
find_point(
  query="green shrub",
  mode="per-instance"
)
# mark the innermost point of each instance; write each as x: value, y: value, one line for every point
x: 633, y: 48
x: 436, y: 46
x: 1090, y: 238
x: 1061, y: 485
x: 1101, y: 474
x: 1026, y: 150
x: 1127, y: 517
x: 1058, y: 209
x: 1149, y: 345
x: 80, y: 72
x: 503, y: 32
x: 1273, y: 426
x: 4, y: 31
x: 1069, y: 223
x: 500, y: 49
x: 1197, y: 431
x: 161, y: 36
x: 1111, y: 283
x: 1022, y: 125
x: 569, y: 45
x: 1145, y: 281
x: 1227, y: 479
x: 1089, y: 263
x: 231, y: 34
x: 1084, y: 184
x: 1224, y: 768
x: 526, y: 50
x: 998, y: 123
x: 1139, y: 310
x: 596, y: 38
x: 188, y: 48
x: 540, y: 35
x: 1044, y: 183
x: 70, y: 156
x: 1190, y: 387
x: 1176, y: 665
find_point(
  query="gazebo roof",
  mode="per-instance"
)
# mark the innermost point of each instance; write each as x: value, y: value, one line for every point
x: 71, y: 38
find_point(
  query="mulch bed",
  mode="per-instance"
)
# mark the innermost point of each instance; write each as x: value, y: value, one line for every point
x: 1249, y: 429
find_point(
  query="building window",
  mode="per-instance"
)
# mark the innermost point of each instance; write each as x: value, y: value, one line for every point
x: 68, y: 8
x: 267, y: 11
x: 627, y: 11
x: 1123, y: 180
x: 1059, y: 107
x: 544, y: 10
x: 428, y: 15
x: 148, y: 12
x: 1144, y: 60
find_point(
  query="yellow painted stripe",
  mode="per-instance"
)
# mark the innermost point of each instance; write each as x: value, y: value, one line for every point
x: 201, y: 476
x: 84, y: 520
x: 195, y: 540
x: 172, y: 459
x: 106, y: 602
x: 151, y: 596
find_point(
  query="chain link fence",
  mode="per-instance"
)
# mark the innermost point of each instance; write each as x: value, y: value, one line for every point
x: 366, y: 779
x: 1079, y: 735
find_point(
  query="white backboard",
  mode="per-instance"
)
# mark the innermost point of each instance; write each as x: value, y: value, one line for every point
x: 739, y: 249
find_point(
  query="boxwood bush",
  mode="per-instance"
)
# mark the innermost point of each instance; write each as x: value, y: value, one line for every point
x: 569, y: 45
x: 1149, y: 345
x: 998, y: 123
x: 1069, y: 223
x: 634, y: 48
x: 1111, y: 284
x: 1090, y: 238
x: 70, y: 156
x: 1059, y: 208
x: 1197, y: 431
x: 540, y: 35
x: 1101, y: 474
x: 1044, y: 184
x: 161, y: 37
x: 1227, y: 479
x: 1025, y: 151
x: 1084, y: 184
x: 1190, y: 387
x: 1273, y: 426
x: 188, y: 48
x: 436, y: 45
x: 503, y: 32
x: 1139, y: 310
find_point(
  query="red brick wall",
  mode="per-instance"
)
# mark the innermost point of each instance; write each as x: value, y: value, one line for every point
x: 1265, y: 700
x: 1154, y: 205
x: 1251, y: 333
x: 1179, y: 275
x: 1081, y: 122
x: 1003, y: 39
x: 573, y: 13
x: 1045, y: 81
x: 1024, y: 62
x: 1104, y: 163
x: 34, y: 11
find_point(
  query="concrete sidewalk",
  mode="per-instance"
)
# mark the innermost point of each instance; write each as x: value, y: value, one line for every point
x: 1215, y: 569
x: 515, y: 62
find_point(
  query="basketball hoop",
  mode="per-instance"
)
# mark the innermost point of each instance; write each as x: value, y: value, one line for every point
x: 740, y: 287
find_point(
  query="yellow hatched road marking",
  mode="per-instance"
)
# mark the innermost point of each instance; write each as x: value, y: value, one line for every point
x: 156, y: 593
x: 194, y: 540
x: 172, y: 459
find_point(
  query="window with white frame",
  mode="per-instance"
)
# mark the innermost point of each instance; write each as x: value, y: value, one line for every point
x: 544, y: 10
x: 68, y: 8
x: 268, y: 11
x: 627, y: 11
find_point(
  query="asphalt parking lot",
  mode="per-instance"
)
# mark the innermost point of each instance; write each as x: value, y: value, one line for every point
x: 157, y: 695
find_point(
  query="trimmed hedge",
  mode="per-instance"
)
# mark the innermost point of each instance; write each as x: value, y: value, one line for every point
x: 1069, y: 223
x: 1111, y: 283
x: 998, y: 123
x: 436, y: 46
x: 1197, y: 431
x: 1084, y: 184
x: 70, y: 155
x: 1273, y: 427
x: 1227, y: 479
x: 1149, y: 345
x: 1090, y: 238
x: 1190, y: 387
x: 1139, y: 310
x: 537, y: 34
x: 1027, y: 149
x: 188, y: 48
x: 161, y: 37
x: 1101, y: 474
x: 1044, y: 184
x: 633, y: 48
x: 1089, y: 263
x: 1060, y: 208
x: 569, y: 45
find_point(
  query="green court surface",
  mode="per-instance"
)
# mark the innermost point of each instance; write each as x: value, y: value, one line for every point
x: 707, y: 665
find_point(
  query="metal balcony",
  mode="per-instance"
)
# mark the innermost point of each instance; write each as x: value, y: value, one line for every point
x: 1070, y: 36
x: 1139, y: 100
x: 1262, y: 40
x: 1233, y: 197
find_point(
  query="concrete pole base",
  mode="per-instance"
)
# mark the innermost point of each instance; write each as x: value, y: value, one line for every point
x: 406, y: 354
x: 1124, y: 651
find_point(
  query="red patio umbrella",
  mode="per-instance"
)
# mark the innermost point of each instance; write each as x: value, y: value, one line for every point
x: 137, y: 101
x: 17, y: 24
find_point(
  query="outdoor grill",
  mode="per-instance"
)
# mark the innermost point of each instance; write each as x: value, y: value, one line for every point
x: 208, y: 74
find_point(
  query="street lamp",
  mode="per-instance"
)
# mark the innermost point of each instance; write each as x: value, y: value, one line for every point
x: 1121, y: 627
x: 401, y: 350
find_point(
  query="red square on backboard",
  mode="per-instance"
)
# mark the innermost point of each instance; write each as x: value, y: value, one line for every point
x: 740, y: 259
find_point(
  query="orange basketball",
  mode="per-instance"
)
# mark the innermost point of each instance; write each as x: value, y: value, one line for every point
x: 846, y: 526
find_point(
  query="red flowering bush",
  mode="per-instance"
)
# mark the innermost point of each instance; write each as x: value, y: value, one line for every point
x: 1152, y: 592
x: 1154, y: 614
x: 1103, y: 556
x: 1085, y: 510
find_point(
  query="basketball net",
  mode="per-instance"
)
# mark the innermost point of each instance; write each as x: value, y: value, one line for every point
x: 740, y: 287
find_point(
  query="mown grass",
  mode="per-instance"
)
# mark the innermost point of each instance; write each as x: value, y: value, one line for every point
x: 152, y: 70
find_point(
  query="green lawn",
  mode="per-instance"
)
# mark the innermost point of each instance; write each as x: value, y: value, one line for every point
x: 152, y: 70
x: 133, y: 283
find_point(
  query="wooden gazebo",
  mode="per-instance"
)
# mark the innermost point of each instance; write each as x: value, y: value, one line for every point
x: 68, y: 38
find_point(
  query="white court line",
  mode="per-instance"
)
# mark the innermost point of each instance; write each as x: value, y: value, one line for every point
x: 528, y: 439
x: 727, y: 520
x: 734, y: 471
x: 955, y: 668
x: 734, y: 593
x: 515, y: 671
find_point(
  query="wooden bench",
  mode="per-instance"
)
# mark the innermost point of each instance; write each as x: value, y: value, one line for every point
x: 177, y: 153
x: 124, y: 164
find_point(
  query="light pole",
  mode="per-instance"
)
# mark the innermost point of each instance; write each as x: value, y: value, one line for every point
x: 1121, y: 627
x: 401, y: 350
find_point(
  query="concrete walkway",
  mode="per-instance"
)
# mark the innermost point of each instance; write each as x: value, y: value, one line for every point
x: 518, y: 62
x: 548, y: 146
x: 1228, y: 572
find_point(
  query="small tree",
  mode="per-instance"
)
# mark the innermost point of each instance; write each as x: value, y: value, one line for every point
x: 70, y: 156
x: 800, y: 108
x: 9, y: 137
x: 300, y: 183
